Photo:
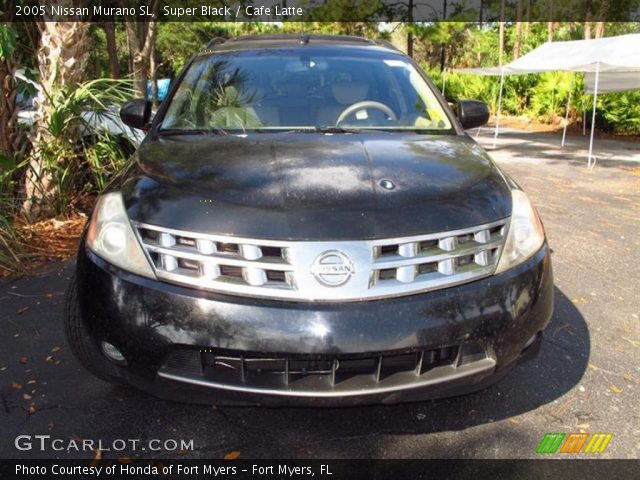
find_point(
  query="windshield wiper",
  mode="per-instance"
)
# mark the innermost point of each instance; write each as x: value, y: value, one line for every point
x: 194, y: 131
x: 335, y: 129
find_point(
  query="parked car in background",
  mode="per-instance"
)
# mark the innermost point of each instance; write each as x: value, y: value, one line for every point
x: 308, y: 223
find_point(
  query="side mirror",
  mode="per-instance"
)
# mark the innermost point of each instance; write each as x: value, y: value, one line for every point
x: 472, y: 113
x: 136, y: 113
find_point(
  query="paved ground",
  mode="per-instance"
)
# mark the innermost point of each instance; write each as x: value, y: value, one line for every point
x: 585, y: 379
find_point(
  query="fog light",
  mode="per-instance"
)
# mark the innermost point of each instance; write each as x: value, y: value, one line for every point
x: 113, y: 354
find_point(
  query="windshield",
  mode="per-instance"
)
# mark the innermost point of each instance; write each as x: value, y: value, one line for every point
x: 298, y: 89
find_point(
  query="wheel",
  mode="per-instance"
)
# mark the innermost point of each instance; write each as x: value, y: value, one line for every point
x: 82, y: 345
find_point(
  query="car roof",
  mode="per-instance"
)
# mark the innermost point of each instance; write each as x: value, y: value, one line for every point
x: 259, y: 42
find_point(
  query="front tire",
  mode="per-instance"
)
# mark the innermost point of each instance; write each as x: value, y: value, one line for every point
x: 84, y: 348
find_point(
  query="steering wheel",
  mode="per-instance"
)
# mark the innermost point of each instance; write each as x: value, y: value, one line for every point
x: 364, y: 105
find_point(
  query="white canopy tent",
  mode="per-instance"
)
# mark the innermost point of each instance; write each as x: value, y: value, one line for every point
x: 610, y: 64
x: 612, y: 81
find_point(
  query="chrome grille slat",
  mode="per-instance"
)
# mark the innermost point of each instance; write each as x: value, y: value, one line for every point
x: 435, y: 236
x: 283, y: 269
x: 397, y: 261
x: 432, y: 281
x: 264, y: 263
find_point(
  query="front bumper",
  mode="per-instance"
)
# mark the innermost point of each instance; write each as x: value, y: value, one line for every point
x: 173, y: 338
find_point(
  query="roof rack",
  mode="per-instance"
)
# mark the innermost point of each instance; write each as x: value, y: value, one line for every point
x: 305, y: 38
x: 302, y: 38
x: 386, y: 43
x: 216, y: 41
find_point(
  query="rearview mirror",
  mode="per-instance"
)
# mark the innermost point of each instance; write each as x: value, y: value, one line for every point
x: 472, y: 113
x: 136, y: 113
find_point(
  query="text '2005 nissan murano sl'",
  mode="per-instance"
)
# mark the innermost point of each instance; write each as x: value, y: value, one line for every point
x: 307, y: 223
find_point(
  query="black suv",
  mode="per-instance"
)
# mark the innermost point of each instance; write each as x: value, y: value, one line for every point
x: 307, y: 222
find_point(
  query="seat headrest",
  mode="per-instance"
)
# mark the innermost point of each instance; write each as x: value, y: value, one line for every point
x: 349, y: 93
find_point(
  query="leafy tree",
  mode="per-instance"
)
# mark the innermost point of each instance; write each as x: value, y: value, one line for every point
x: 62, y: 58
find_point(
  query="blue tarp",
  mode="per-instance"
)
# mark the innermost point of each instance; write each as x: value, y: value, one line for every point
x: 163, y: 88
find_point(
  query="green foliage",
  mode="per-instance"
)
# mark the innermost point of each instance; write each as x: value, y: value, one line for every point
x: 12, y: 251
x: 549, y: 95
x: 462, y: 86
x: 620, y: 112
x: 542, y: 97
x: 76, y: 153
x: 177, y: 42
x: 105, y: 154
x: 12, y: 248
x: 335, y: 12
x: 8, y: 37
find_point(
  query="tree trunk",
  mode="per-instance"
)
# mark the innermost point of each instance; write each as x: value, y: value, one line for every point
x: 409, y: 32
x: 62, y: 59
x: 587, y: 26
x: 141, y: 37
x: 8, y: 107
x: 14, y: 144
x: 518, y: 34
x: 602, y: 13
x: 501, y: 39
x: 550, y: 24
x: 153, y: 73
x: 138, y: 67
x: 443, y: 47
x: 112, y: 51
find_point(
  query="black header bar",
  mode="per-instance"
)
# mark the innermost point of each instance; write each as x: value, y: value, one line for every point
x: 318, y: 469
x: 321, y: 10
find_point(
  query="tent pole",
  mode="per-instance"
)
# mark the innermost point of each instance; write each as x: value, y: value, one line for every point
x: 593, y: 117
x: 495, y: 134
x: 566, y: 114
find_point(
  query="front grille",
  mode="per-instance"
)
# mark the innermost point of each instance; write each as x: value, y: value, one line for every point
x: 289, y: 270
x: 214, y: 263
x: 437, y: 260
x: 324, y: 374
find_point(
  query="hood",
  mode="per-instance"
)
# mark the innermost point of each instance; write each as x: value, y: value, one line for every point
x: 299, y: 186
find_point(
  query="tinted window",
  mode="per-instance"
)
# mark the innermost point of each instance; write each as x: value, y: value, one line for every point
x: 296, y: 89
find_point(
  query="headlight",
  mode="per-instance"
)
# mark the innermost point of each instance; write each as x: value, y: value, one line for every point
x: 525, y: 235
x: 111, y: 237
